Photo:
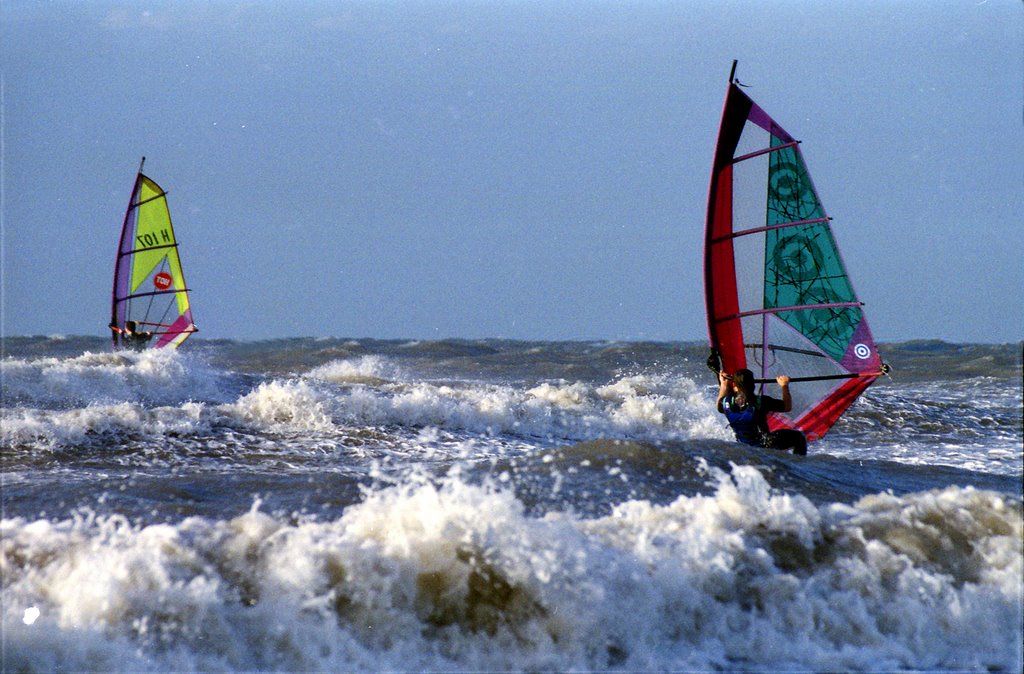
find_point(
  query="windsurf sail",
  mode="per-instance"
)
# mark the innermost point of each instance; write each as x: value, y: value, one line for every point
x: 779, y: 300
x: 149, y: 286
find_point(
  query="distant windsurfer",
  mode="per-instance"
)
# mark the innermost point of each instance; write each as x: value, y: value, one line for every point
x: 748, y: 413
x: 131, y: 336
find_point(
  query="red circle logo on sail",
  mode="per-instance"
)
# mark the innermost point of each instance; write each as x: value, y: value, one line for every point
x: 162, y: 281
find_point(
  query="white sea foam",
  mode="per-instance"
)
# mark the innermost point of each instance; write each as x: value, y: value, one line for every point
x: 364, y: 370
x: 644, y: 407
x: 366, y: 391
x: 458, y: 577
x: 156, y: 376
x: 374, y: 392
x: 79, y: 400
x: 98, y: 424
x: 287, y: 405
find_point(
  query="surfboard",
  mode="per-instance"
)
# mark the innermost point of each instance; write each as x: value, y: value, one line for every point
x: 778, y: 297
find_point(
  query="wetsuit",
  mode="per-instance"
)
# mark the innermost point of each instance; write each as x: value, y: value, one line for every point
x: 135, y: 341
x: 750, y: 423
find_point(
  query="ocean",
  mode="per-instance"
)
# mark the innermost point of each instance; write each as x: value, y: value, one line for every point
x: 368, y: 505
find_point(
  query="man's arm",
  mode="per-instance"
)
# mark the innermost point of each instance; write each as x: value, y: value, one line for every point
x: 787, y: 399
x: 723, y: 390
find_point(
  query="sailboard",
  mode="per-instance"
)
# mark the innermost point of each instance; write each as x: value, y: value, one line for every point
x: 779, y: 300
x: 149, y: 286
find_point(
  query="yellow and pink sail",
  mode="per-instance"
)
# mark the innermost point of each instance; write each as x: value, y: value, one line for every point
x: 149, y: 286
x: 779, y: 300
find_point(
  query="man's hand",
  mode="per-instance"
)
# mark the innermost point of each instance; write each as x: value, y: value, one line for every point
x: 787, y: 399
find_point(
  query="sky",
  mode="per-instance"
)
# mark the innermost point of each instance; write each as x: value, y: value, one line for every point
x: 483, y: 169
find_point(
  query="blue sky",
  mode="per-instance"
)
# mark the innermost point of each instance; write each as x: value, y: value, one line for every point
x: 532, y: 170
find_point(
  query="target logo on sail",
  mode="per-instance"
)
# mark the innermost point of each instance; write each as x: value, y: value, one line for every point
x: 162, y: 281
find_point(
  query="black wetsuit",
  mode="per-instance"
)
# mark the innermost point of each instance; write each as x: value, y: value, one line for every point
x: 136, y: 341
x: 750, y: 423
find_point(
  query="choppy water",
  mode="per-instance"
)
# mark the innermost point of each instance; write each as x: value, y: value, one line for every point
x: 330, y: 504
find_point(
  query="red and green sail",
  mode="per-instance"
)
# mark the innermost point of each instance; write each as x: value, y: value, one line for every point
x: 779, y: 300
x: 149, y: 286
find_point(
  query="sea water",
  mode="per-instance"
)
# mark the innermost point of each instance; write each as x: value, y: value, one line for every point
x: 337, y: 504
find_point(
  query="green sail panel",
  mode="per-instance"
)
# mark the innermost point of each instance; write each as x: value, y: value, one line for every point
x: 791, y: 196
x: 802, y: 263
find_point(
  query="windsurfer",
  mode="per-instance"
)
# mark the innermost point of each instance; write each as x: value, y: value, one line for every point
x: 748, y: 413
x: 131, y: 337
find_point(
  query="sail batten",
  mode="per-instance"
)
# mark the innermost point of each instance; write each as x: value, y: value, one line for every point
x: 759, y: 230
x: 767, y: 150
x: 142, y: 250
x: 154, y: 292
x: 149, y: 285
x: 778, y: 296
x: 800, y: 307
